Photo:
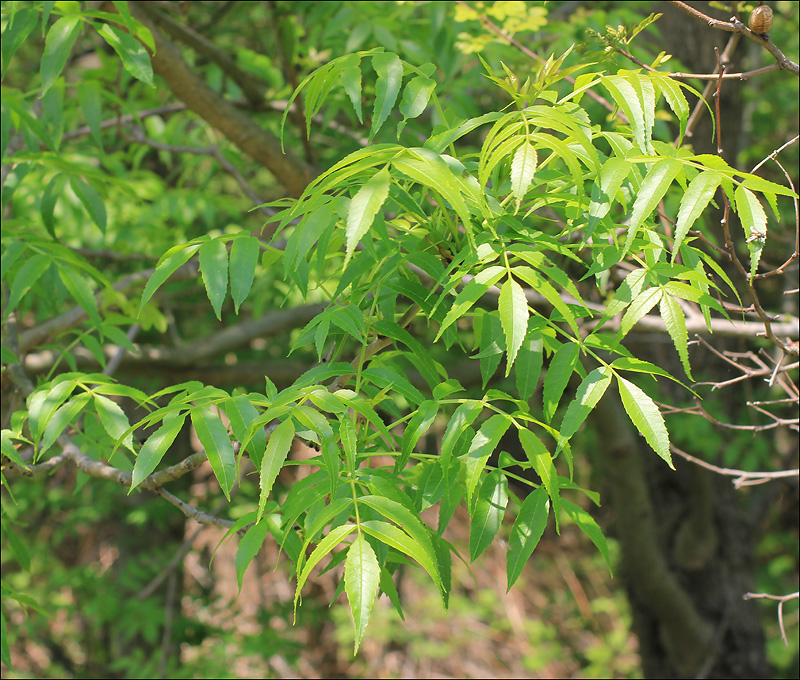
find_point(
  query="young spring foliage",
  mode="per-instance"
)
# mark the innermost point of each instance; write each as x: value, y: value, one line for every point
x: 415, y: 247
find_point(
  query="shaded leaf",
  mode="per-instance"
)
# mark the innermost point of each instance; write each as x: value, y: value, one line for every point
x: 526, y: 533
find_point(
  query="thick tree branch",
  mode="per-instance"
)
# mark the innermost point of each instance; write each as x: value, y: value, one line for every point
x: 291, y: 172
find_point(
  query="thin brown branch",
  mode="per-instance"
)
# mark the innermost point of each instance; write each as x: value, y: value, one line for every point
x: 743, y: 477
x: 736, y: 26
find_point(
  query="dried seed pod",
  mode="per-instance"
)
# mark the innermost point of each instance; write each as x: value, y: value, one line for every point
x: 761, y: 19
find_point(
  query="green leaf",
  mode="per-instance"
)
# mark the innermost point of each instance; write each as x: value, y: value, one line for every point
x: 419, y: 424
x: 646, y: 417
x: 490, y: 507
x: 280, y: 441
x: 21, y: 24
x: 213, y: 435
x: 470, y: 294
x: 241, y: 413
x: 628, y: 99
x: 88, y: 92
x: 155, y: 447
x: 400, y: 540
x: 422, y: 356
x: 513, y: 308
x: 675, y: 323
x: 429, y: 169
x: 542, y: 462
x: 461, y: 419
x: 91, y: 200
x: 249, y: 545
x: 694, y: 202
x: 170, y: 261
x: 361, y: 578
x: 364, y: 206
x: 113, y: 420
x: 483, y: 444
x: 80, y: 289
x: 591, y: 389
x: 651, y: 191
x: 60, y: 39
x: 523, y: 167
x: 351, y: 81
x: 135, y: 59
x: 588, y: 526
x: 754, y: 222
x: 334, y: 538
x: 213, y: 256
x: 244, y: 258
x: 643, y: 303
x: 28, y: 274
x: 416, y: 95
x: 529, y: 364
x: 604, y: 191
x: 536, y: 281
x: 677, y: 101
x: 558, y: 374
x: 528, y: 529
x: 65, y: 415
x: 390, y: 76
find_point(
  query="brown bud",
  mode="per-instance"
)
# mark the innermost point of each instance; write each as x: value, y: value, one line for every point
x: 761, y: 19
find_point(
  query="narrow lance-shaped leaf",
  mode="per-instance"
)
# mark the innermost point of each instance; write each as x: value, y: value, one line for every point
x: 490, y: 507
x: 513, y: 308
x: 80, y: 289
x: 463, y: 417
x: 113, y: 419
x: 28, y: 274
x: 558, y: 375
x: 65, y: 414
x: 526, y: 533
x: 155, y: 447
x: 644, y: 414
x: 587, y: 524
x: 523, y: 167
x: 351, y: 81
x: 135, y: 59
x: 215, y: 440
x: 542, y: 462
x: 470, y: 294
x: 642, y: 304
x: 166, y: 267
x: 416, y: 96
x: 418, y: 425
x: 334, y: 538
x: 15, y: 33
x: 675, y: 323
x: 280, y: 441
x: 754, y: 222
x: 529, y: 365
x: 244, y: 258
x: 364, y: 206
x: 213, y: 256
x: 91, y: 200
x: 249, y: 545
x: 589, y: 393
x: 695, y: 200
x: 361, y: 578
x: 651, y: 191
x: 60, y: 39
x: 483, y: 443
x: 390, y: 76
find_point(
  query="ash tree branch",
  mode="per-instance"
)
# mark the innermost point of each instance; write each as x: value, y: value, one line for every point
x: 263, y: 146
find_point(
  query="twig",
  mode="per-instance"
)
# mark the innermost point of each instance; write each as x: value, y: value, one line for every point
x: 743, y: 477
x: 781, y: 599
